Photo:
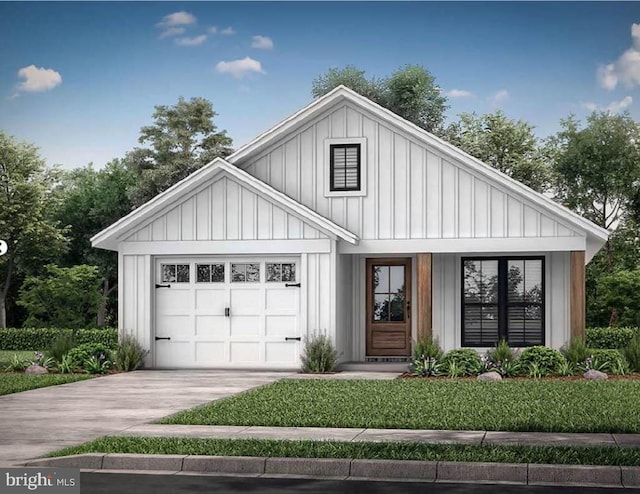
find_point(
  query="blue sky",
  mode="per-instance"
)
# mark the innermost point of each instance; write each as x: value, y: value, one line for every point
x: 80, y: 79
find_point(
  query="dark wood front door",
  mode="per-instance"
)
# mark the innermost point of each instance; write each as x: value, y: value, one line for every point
x: 388, y: 307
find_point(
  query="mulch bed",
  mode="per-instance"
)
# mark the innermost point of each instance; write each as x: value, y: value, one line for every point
x: 612, y: 377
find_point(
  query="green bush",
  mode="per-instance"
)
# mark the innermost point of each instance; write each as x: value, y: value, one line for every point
x: 608, y: 360
x: 502, y: 352
x: 576, y: 351
x: 42, y: 338
x: 465, y: 360
x: 610, y: 337
x: 319, y: 355
x: 540, y: 360
x: 60, y: 346
x: 632, y: 353
x: 427, y: 348
x: 81, y: 354
x: 129, y: 355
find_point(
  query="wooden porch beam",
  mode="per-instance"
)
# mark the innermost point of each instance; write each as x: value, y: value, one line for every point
x: 577, y: 295
x: 424, y: 311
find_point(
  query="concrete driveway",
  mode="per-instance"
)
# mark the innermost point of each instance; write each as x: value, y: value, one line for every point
x: 36, y: 422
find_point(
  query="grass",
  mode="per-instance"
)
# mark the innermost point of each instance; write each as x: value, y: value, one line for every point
x: 333, y: 449
x: 6, y: 355
x: 15, y: 383
x: 523, y: 405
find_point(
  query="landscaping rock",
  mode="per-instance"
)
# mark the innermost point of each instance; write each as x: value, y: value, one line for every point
x: 594, y: 375
x: 490, y: 376
x: 36, y: 369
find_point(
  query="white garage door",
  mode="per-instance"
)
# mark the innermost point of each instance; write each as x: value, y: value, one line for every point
x: 240, y: 312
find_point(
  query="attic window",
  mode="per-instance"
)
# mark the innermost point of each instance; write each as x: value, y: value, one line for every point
x: 345, y: 166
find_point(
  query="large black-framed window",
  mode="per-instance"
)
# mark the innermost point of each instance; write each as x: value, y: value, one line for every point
x: 503, y: 298
x: 344, y: 167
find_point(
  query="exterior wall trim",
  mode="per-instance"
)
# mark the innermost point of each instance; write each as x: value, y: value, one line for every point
x: 225, y: 247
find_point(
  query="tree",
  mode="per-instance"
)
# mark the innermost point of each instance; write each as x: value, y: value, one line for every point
x: 507, y: 145
x: 182, y: 139
x: 88, y: 201
x: 25, y: 196
x: 62, y: 297
x: 411, y: 92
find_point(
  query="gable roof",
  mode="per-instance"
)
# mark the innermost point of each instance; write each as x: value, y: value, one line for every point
x: 112, y: 235
x: 342, y: 93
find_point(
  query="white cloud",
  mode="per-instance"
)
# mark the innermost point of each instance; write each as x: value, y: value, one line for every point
x: 171, y: 31
x: 625, y: 70
x: 498, y: 98
x: 213, y: 29
x: 37, y: 80
x: 240, y: 68
x: 198, y: 40
x: 228, y: 31
x: 262, y: 42
x: 459, y: 93
x: 613, y: 107
x: 181, y: 18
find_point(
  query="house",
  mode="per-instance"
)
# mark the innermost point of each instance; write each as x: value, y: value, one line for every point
x: 346, y: 218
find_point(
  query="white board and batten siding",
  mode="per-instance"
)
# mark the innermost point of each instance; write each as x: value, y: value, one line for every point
x: 412, y: 192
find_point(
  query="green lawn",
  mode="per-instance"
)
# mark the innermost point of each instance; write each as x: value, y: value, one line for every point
x: 521, y: 405
x: 331, y: 449
x: 15, y: 383
x: 7, y: 355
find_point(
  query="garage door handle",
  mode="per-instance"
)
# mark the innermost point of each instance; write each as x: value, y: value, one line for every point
x: 158, y: 285
x: 163, y: 338
x: 292, y: 284
x: 291, y: 338
x: 227, y: 312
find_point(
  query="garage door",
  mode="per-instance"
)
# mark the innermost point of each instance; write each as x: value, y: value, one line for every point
x: 238, y: 312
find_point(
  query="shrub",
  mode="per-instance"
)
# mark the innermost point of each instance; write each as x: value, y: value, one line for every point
x: 42, y: 338
x: 96, y: 365
x: 65, y: 365
x: 465, y: 361
x: 79, y: 355
x: 129, y: 355
x: 427, y: 356
x: 610, y: 337
x: 576, y: 351
x: 427, y: 348
x: 606, y: 360
x: 502, y: 352
x: 319, y: 354
x: 542, y: 360
x: 17, y: 364
x: 61, y: 345
x: 632, y: 353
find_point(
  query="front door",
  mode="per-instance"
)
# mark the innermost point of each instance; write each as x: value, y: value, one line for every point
x: 388, y: 307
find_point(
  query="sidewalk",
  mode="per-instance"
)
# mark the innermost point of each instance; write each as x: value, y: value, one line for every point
x: 385, y: 435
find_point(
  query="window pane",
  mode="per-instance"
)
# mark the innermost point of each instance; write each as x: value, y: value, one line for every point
x: 182, y: 273
x: 288, y: 272
x: 489, y: 284
x: 253, y: 273
x: 238, y: 272
x: 274, y: 272
x: 481, y: 325
x: 396, y: 282
x: 533, y: 281
x: 381, y: 307
x: 203, y: 273
x: 525, y: 325
x: 217, y: 273
x: 381, y: 279
x: 397, y: 307
x: 472, y: 281
x: 168, y: 273
x: 516, y: 277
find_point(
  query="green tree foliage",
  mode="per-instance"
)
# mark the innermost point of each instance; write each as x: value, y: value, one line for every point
x: 507, y: 145
x: 25, y: 195
x: 62, y: 297
x: 88, y: 201
x: 620, y: 292
x: 411, y: 92
x: 182, y: 139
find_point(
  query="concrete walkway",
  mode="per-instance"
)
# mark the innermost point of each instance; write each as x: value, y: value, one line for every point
x: 385, y: 435
x: 36, y: 422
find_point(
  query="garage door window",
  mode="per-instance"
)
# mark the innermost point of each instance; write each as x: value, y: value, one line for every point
x: 281, y: 272
x: 210, y: 273
x: 175, y: 273
x: 245, y: 273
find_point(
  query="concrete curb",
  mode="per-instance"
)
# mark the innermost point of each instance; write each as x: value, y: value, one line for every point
x: 343, y: 468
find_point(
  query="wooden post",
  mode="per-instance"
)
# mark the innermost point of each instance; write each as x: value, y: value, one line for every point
x: 424, y: 310
x: 577, y: 295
